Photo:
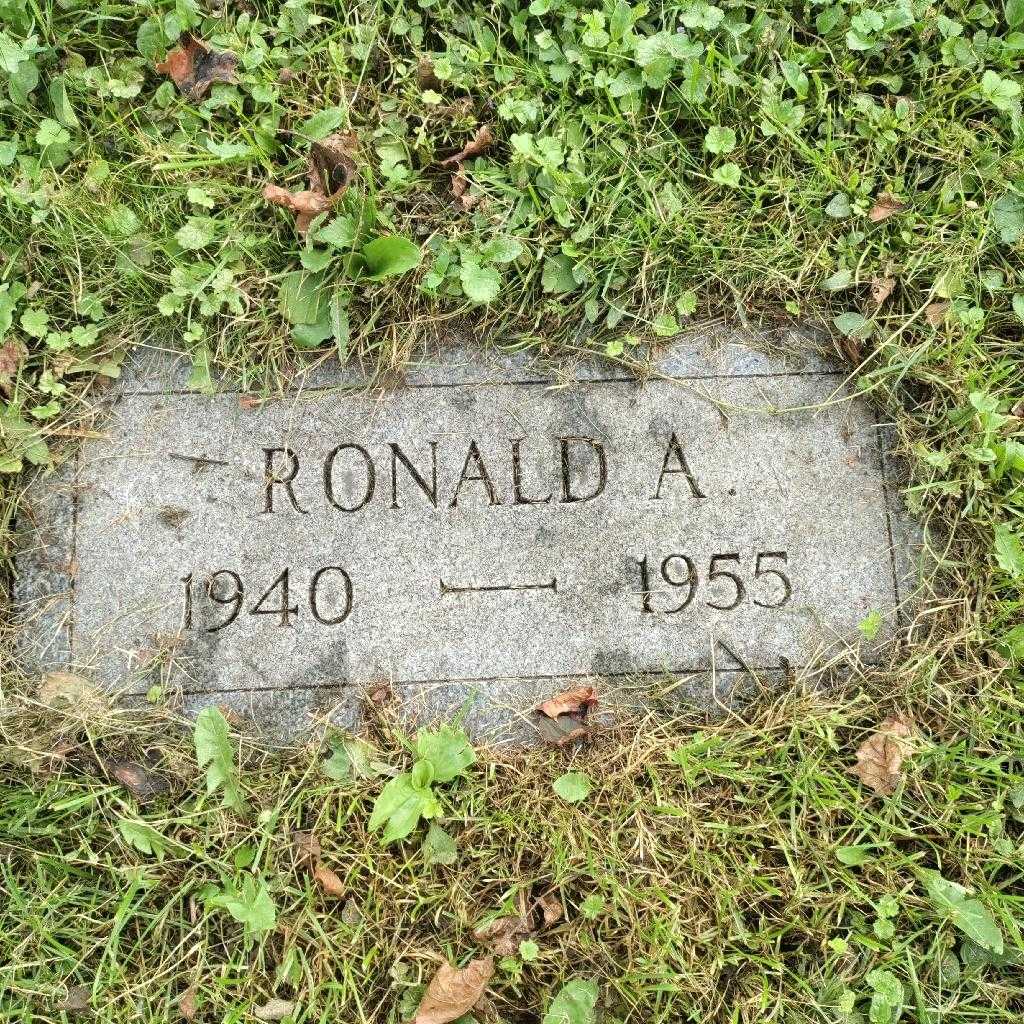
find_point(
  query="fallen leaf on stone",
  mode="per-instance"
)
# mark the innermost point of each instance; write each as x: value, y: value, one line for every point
x: 76, y: 1000
x: 194, y: 66
x: 552, y: 909
x: 331, y: 168
x: 187, y: 1003
x: 274, y: 1009
x: 66, y: 687
x: 572, y: 702
x: 480, y: 143
x: 503, y: 934
x: 331, y: 884
x: 880, y: 757
x: 885, y: 206
x: 563, y: 719
x: 12, y: 355
x: 935, y: 313
x: 881, y: 289
x: 454, y: 991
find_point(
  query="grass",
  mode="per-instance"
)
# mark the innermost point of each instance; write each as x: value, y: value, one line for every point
x: 775, y: 162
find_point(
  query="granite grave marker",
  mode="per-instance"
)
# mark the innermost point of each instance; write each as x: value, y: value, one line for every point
x: 482, y: 535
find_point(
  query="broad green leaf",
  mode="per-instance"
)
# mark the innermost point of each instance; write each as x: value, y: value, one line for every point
x: 399, y: 808
x: 200, y: 379
x: 557, y: 276
x: 853, y: 856
x: 572, y: 787
x: 887, y: 998
x: 481, y: 284
x: 439, y: 847
x: 390, y: 256
x: 574, y: 1004
x: 196, y: 233
x: 447, y: 749
x: 322, y: 123
x: 143, y: 837
x: 301, y: 297
x: 950, y: 899
x: 352, y: 757
x: 250, y: 905
x: 719, y: 139
x: 1014, y: 13
x: 339, y: 233
x: 215, y: 753
x: 1008, y: 217
x: 728, y: 174
x: 852, y: 324
x: 1009, y: 551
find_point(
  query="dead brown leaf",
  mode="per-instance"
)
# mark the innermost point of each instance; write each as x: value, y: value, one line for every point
x: 935, y: 313
x: 331, y: 168
x: 187, y: 1003
x: 331, y: 884
x: 881, y: 289
x: 194, y: 66
x: 76, y: 1000
x: 454, y: 991
x: 885, y: 206
x: 563, y: 718
x: 480, y: 143
x: 460, y: 187
x: 12, y: 355
x: 145, y: 784
x: 503, y: 934
x: 307, y: 849
x: 274, y: 1009
x: 552, y: 909
x: 67, y: 688
x: 880, y: 757
x: 572, y: 702
x: 425, y: 76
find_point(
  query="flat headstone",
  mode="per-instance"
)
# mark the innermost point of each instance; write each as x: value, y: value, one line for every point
x: 482, y: 535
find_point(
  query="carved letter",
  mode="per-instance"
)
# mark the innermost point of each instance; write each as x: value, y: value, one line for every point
x: 682, y: 466
x: 517, y: 479
x: 602, y: 469
x: 371, y: 476
x: 272, y: 478
x: 430, y: 490
x: 482, y: 475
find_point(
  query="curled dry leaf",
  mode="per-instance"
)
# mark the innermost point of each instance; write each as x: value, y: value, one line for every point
x: 880, y: 757
x: 480, y: 143
x: 881, y: 289
x: 194, y: 66
x: 454, y: 991
x: 503, y: 934
x: 331, y: 168
x: 274, y: 1009
x: 885, y: 206
x: 572, y: 702
x: 331, y: 884
x: 935, y: 313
